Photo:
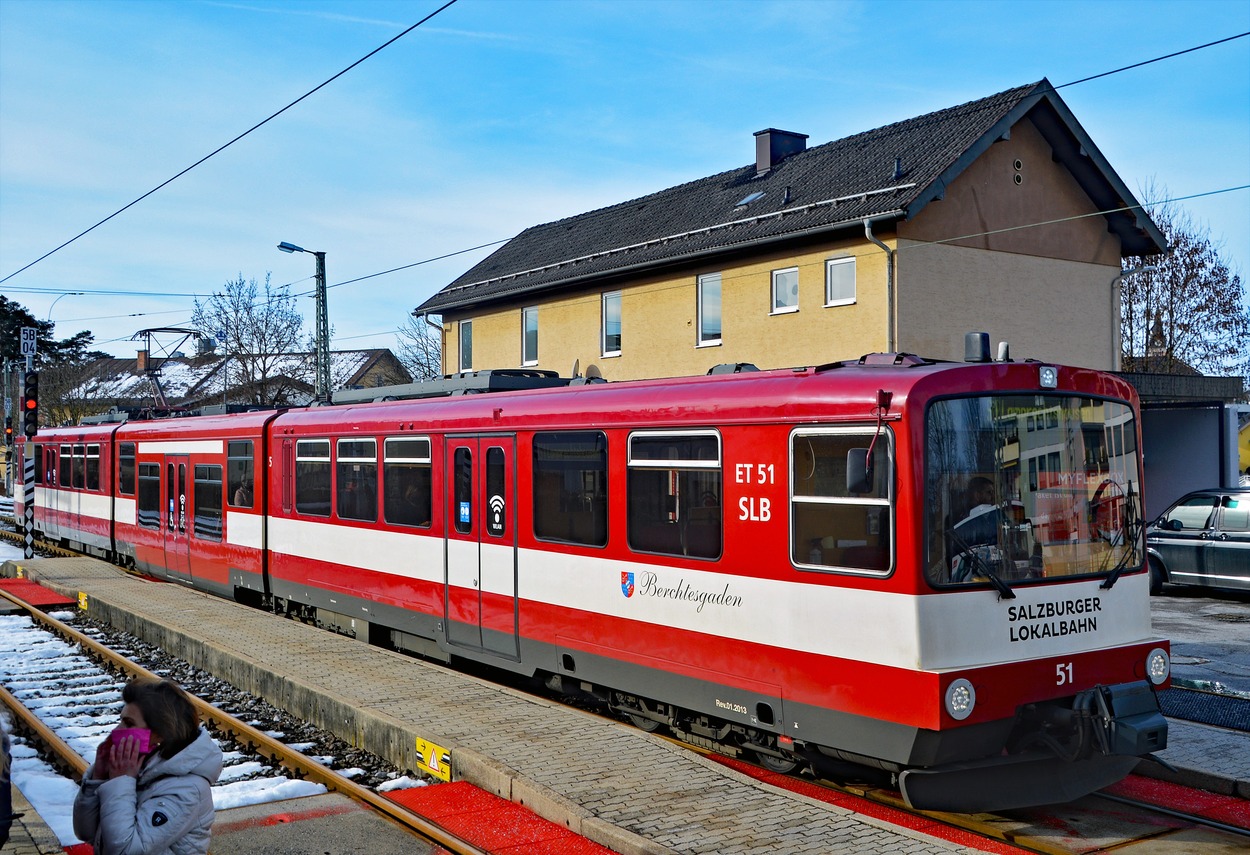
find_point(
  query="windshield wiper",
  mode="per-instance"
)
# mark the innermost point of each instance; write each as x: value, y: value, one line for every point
x: 1004, y: 590
x: 1130, y: 551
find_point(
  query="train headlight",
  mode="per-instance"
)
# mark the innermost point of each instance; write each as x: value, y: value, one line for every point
x: 961, y: 697
x: 1158, y: 665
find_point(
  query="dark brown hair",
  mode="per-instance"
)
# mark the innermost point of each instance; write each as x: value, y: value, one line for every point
x: 167, y: 711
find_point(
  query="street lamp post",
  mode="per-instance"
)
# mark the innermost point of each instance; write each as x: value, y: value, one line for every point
x: 62, y: 297
x: 1117, y: 345
x: 322, y: 357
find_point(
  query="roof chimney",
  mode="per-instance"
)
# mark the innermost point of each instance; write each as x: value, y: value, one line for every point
x: 773, y: 146
x: 141, y: 363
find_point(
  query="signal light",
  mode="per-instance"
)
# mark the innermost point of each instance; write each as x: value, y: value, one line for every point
x: 8, y: 430
x: 30, y: 404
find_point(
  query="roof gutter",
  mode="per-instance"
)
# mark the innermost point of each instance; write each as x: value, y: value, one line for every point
x: 652, y: 265
x: 889, y: 283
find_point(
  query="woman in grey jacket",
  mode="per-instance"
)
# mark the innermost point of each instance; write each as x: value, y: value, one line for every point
x: 155, y: 798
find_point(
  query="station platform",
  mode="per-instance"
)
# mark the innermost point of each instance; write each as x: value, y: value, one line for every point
x: 617, y: 786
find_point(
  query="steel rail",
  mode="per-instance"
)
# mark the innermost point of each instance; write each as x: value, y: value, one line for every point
x: 1176, y: 814
x: 261, y: 742
x: 27, y: 720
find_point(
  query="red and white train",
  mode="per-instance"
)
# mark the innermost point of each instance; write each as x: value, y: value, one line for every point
x: 932, y: 569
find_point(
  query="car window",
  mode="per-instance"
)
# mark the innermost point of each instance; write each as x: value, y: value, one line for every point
x: 1236, y: 515
x: 1192, y: 515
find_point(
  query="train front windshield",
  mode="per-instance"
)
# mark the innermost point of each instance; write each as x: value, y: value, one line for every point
x: 1031, y: 487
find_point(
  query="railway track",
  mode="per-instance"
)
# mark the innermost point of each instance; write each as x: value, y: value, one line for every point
x: 1097, y: 823
x: 91, y: 671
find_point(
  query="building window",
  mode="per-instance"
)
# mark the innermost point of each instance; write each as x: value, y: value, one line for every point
x: 312, y: 477
x: 529, y: 336
x: 407, y: 481
x: 673, y: 493
x: 709, y: 309
x: 466, y: 345
x: 785, y: 290
x: 571, y: 487
x: 611, y: 327
x: 839, y: 281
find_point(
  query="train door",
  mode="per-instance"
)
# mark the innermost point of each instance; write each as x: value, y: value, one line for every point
x: 174, y: 527
x: 480, y: 591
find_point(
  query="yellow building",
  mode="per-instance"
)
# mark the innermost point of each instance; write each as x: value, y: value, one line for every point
x: 998, y: 215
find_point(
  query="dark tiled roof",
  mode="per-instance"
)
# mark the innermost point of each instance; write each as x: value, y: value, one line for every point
x: 824, y: 188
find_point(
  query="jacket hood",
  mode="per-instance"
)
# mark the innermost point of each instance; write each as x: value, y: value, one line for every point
x: 202, y: 757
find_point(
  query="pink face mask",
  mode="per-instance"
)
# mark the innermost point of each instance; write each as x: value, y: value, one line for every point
x: 141, y: 735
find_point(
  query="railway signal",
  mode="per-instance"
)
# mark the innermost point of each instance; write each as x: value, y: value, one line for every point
x: 8, y: 430
x: 30, y: 404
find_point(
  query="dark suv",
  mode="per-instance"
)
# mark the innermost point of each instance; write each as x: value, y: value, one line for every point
x: 1202, y: 539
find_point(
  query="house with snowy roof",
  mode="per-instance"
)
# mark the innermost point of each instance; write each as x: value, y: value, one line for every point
x: 1000, y: 215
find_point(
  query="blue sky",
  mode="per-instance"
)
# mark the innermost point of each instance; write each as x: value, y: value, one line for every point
x: 501, y: 114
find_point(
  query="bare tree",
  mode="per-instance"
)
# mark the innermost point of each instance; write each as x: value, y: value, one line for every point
x: 258, y: 330
x: 420, y: 347
x: 1190, y: 310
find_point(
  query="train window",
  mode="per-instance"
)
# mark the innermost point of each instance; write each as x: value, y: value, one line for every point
x: 50, y: 464
x: 463, y: 474
x: 38, y: 464
x: 148, y: 502
x: 126, y: 469
x: 496, y: 483
x: 208, y: 502
x: 357, y: 479
x: 240, y: 473
x: 830, y: 526
x: 67, y: 455
x: 406, y: 482
x: 571, y: 487
x: 93, y: 467
x: 674, y: 493
x: 78, y: 464
x: 312, y: 477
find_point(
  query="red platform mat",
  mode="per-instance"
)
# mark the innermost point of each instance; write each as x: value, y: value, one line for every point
x: 35, y: 594
x: 491, y: 823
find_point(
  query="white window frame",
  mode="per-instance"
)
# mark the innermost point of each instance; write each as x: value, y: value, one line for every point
x: 708, y: 279
x: 830, y: 264
x: 462, y: 339
x: 528, y: 314
x: 777, y: 306
x: 604, y: 300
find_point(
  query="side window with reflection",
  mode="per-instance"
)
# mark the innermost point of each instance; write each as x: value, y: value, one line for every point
x: 1195, y: 514
x: 126, y: 469
x: 208, y: 492
x: 571, y: 487
x: 673, y: 490
x: 356, y: 481
x: 830, y: 525
x: 240, y: 474
x: 407, y: 481
x: 148, y: 502
x: 312, y: 477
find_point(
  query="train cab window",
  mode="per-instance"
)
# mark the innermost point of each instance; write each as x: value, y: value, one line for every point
x: 63, y: 474
x: 571, y: 487
x: 406, y: 481
x: 356, y: 479
x: 208, y: 492
x: 312, y: 477
x: 126, y: 469
x: 831, y: 526
x: 240, y: 474
x: 93, y: 467
x: 148, y: 502
x: 674, y: 493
